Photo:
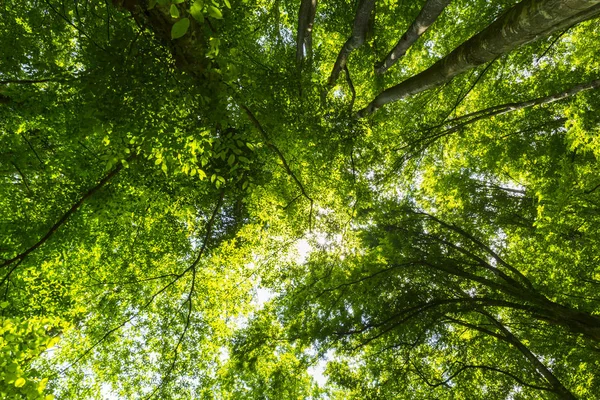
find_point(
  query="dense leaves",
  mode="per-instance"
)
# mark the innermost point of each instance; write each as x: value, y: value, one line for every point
x: 193, y: 207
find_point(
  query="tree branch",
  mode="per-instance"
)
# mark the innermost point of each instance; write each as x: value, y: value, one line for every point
x: 359, y: 33
x: 427, y: 16
x: 286, y: 166
x: 500, y: 109
x: 65, y: 216
x: 306, y: 18
x: 523, y: 23
x: 558, y: 387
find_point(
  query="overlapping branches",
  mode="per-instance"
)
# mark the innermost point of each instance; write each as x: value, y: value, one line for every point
x: 524, y: 23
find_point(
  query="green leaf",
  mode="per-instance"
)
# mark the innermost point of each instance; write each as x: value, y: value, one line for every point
x: 180, y: 28
x: 196, y: 11
x: 214, y: 12
x: 151, y: 4
x: 20, y: 382
x: 231, y: 159
x: 12, y: 367
x: 4, y: 304
x: 227, y: 3
x: 174, y: 11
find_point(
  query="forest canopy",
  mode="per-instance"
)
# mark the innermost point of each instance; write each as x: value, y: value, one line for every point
x: 274, y: 199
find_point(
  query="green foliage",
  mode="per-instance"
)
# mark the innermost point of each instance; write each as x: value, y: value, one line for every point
x: 22, y: 341
x: 180, y: 27
x: 193, y: 214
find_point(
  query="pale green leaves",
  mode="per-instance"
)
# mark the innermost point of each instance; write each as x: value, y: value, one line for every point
x: 198, y: 9
x: 180, y: 28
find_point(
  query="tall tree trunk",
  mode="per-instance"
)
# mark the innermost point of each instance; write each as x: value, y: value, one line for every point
x: 359, y: 33
x: 524, y: 23
x: 306, y: 18
x: 429, y: 13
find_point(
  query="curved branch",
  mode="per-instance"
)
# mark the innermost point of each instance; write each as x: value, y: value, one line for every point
x: 485, y: 248
x: 557, y: 386
x: 500, y: 109
x: 483, y: 367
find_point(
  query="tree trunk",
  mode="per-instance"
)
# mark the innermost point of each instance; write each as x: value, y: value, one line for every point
x: 359, y: 33
x: 429, y: 13
x: 306, y: 18
x: 189, y: 51
x: 524, y: 23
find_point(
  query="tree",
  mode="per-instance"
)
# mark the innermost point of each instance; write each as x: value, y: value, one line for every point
x: 163, y: 160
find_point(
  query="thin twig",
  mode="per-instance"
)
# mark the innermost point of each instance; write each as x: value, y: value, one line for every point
x: 289, y: 171
x: 23, y: 178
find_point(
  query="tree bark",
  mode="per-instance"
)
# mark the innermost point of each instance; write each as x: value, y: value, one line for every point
x: 189, y: 51
x: 509, y: 107
x: 429, y: 13
x: 524, y: 23
x: 359, y: 33
x: 306, y: 18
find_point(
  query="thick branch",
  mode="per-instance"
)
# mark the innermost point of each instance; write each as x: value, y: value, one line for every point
x: 189, y: 51
x: 359, y: 33
x: 429, y: 13
x: 306, y: 18
x: 558, y: 387
x: 524, y: 23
